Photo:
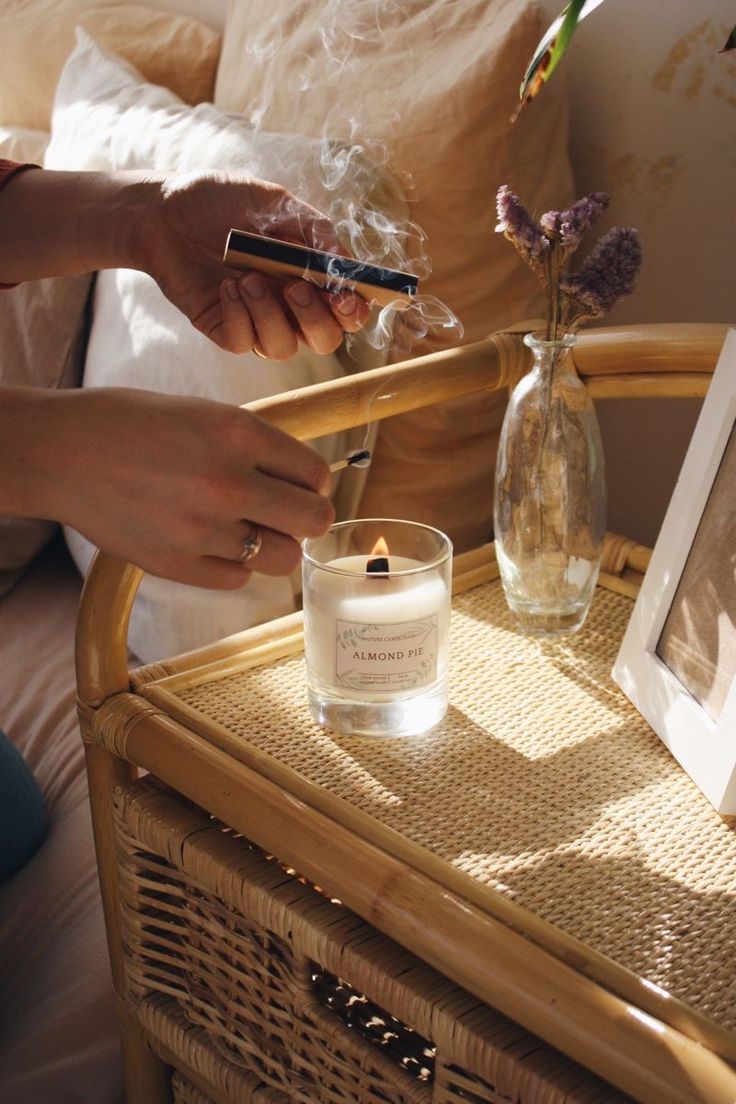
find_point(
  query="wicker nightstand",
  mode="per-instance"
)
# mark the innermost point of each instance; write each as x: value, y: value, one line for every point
x: 538, y: 860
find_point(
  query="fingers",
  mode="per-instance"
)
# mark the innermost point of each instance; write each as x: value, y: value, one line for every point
x: 279, y: 554
x: 324, y: 319
x: 283, y: 506
x: 182, y: 251
x: 221, y: 567
x: 292, y: 219
x: 283, y: 457
x: 226, y: 573
x: 210, y: 572
x: 350, y: 310
x: 280, y: 513
x: 252, y: 313
x: 275, y: 334
x: 205, y: 473
x: 238, y: 332
x: 284, y: 499
x: 319, y: 326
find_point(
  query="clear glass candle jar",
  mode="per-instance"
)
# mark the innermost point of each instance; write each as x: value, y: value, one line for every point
x: 376, y: 595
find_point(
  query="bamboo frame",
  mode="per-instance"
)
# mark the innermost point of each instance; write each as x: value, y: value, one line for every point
x: 644, y: 1056
x: 662, y: 351
x: 286, y: 639
x: 609, y: 1035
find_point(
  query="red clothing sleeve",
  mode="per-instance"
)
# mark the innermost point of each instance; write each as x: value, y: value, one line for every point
x: 8, y: 169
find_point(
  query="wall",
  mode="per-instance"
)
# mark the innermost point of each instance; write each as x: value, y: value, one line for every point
x: 653, y: 106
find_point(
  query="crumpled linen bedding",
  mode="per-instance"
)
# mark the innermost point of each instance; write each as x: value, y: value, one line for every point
x: 58, y: 1034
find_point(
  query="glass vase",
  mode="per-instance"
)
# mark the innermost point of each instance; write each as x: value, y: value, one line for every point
x: 550, y: 494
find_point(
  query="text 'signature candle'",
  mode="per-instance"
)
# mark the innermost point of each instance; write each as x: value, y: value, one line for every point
x: 376, y: 626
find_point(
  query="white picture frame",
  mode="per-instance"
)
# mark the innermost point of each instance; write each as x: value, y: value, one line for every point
x: 703, y: 740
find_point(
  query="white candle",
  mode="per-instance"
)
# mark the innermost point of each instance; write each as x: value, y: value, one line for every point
x: 373, y: 635
x: 376, y: 642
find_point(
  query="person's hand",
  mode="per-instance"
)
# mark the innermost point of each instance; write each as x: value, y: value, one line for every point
x: 181, y: 242
x: 176, y: 485
x: 175, y: 229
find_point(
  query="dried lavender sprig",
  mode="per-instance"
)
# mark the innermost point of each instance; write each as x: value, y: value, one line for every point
x: 520, y: 228
x: 606, y: 276
x: 569, y: 226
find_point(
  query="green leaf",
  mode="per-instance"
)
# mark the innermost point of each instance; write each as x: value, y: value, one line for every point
x: 730, y: 42
x: 551, y: 48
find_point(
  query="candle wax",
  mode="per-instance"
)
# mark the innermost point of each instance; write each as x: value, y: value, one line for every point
x: 376, y: 632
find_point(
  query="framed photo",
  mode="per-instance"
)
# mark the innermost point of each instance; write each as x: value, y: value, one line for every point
x: 677, y: 661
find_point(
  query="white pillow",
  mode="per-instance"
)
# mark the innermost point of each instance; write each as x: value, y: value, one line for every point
x: 106, y: 117
x: 23, y: 144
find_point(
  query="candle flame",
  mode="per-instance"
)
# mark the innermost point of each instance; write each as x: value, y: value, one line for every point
x: 380, y: 548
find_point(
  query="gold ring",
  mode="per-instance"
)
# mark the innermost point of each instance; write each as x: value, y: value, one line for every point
x: 259, y: 352
x: 251, y: 545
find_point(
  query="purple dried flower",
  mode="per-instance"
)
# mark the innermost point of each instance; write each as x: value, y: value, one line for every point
x: 550, y: 223
x: 573, y: 223
x: 519, y: 227
x: 607, y: 275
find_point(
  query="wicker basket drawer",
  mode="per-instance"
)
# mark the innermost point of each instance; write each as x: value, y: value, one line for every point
x: 170, y: 1031
x: 184, y: 1092
x: 274, y: 993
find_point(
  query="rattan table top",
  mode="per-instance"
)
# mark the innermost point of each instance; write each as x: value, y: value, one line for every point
x: 543, y: 784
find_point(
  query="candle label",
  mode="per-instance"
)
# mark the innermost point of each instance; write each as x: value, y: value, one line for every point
x: 397, y: 656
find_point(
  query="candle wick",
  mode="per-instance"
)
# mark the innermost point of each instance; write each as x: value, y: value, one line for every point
x: 377, y: 566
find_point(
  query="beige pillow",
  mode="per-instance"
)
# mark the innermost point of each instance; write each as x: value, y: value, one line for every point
x: 437, y: 87
x: 37, y: 35
x: 42, y: 332
x: 436, y: 83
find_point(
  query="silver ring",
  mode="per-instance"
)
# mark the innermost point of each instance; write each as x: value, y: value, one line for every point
x: 259, y: 352
x: 251, y: 545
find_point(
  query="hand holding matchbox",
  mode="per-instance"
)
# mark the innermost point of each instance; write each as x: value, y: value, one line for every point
x: 331, y: 271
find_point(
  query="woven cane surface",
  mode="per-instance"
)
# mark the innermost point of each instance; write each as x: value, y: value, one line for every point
x: 543, y: 782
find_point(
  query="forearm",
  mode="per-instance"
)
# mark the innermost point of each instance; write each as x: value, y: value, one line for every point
x: 27, y: 451
x: 62, y: 223
x: 164, y: 481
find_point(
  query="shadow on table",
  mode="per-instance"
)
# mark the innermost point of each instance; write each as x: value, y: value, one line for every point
x: 666, y: 933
